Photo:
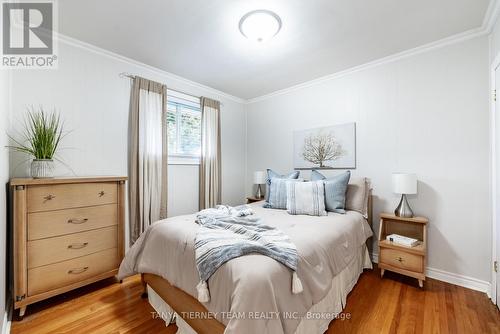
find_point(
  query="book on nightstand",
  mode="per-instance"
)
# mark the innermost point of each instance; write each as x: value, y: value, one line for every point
x: 402, y: 240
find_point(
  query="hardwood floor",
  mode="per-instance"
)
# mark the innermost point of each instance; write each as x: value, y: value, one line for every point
x: 103, y: 307
x: 393, y: 304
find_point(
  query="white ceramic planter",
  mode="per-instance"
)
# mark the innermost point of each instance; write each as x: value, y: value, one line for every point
x: 42, y: 168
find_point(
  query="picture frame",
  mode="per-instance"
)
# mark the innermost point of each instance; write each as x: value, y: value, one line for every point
x: 330, y: 147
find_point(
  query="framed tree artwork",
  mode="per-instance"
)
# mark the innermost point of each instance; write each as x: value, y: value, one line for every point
x: 331, y: 147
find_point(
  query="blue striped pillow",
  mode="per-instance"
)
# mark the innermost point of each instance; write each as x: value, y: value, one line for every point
x: 277, y: 193
x: 273, y: 175
x: 306, y: 198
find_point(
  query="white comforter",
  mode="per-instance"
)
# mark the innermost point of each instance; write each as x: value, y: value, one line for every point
x: 251, y: 294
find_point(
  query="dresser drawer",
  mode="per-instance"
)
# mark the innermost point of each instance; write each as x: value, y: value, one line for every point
x: 400, y: 259
x: 65, y: 196
x: 55, y: 223
x: 64, y: 273
x: 51, y: 250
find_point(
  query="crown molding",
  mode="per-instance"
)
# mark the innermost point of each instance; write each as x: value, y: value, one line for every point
x: 491, y: 16
x: 461, y: 37
x: 103, y: 52
x: 489, y: 21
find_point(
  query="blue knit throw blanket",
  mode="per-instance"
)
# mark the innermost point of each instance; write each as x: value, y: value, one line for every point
x: 228, y: 232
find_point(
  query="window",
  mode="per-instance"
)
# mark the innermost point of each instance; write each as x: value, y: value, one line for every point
x: 184, y: 128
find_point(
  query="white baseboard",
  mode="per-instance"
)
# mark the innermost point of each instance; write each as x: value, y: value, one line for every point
x: 460, y: 280
x: 5, y: 323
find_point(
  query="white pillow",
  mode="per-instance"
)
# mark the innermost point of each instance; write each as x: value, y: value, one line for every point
x: 306, y: 198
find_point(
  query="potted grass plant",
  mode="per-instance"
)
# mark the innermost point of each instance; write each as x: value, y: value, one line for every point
x: 41, y: 138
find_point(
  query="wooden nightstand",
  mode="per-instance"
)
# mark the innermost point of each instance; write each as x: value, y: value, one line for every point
x: 252, y: 199
x: 409, y: 261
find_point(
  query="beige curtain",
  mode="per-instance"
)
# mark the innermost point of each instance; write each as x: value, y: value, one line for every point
x: 210, y: 162
x: 148, y: 155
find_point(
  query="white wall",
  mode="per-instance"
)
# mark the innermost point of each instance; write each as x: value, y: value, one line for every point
x: 4, y: 179
x: 495, y: 41
x: 183, y: 189
x: 427, y: 114
x: 94, y: 102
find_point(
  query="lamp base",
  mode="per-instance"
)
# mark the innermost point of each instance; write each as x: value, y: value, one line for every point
x: 258, y: 194
x: 403, y: 209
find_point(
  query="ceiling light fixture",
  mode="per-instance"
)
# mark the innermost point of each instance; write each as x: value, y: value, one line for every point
x: 260, y: 25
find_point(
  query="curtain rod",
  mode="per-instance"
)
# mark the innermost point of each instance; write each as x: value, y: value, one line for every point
x: 130, y: 76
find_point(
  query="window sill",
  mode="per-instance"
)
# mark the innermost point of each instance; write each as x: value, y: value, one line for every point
x: 183, y: 161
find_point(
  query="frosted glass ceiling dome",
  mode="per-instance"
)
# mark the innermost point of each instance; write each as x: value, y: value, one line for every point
x: 260, y: 25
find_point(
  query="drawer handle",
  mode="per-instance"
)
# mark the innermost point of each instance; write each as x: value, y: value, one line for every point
x: 77, y: 221
x: 78, y: 271
x: 78, y: 246
x: 49, y: 197
x: 101, y: 193
x: 400, y: 259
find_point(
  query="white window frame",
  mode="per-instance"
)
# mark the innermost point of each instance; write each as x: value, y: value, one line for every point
x: 189, y: 101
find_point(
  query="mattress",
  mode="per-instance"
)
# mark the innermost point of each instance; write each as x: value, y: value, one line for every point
x: 254, y: 284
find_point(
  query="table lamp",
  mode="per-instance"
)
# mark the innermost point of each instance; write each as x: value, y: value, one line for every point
x: 404, y: 184
x: 258, y: 179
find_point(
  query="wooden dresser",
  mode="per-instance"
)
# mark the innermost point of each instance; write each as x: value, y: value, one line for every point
x: 68, y: 232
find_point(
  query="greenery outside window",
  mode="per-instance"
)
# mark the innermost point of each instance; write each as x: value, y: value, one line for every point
x: 184, y: 129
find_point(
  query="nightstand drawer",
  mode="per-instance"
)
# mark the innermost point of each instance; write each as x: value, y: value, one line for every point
x: 400, y: 259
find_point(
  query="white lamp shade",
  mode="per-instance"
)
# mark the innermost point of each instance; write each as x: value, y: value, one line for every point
x: 259, y: 177
x: 404, y: 183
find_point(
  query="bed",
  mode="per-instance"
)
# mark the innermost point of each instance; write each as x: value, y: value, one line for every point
x: 251, y: 294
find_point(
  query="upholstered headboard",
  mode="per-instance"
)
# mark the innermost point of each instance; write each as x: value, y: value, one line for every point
x: 369, y: 213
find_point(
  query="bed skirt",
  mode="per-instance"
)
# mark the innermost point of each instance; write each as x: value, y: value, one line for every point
x: 320, y: 313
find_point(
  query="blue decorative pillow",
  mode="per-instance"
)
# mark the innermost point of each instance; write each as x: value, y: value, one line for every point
x: 278, y: 194
x: 273, y: 175
x: 317, y: 176
x: 335, y: 190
